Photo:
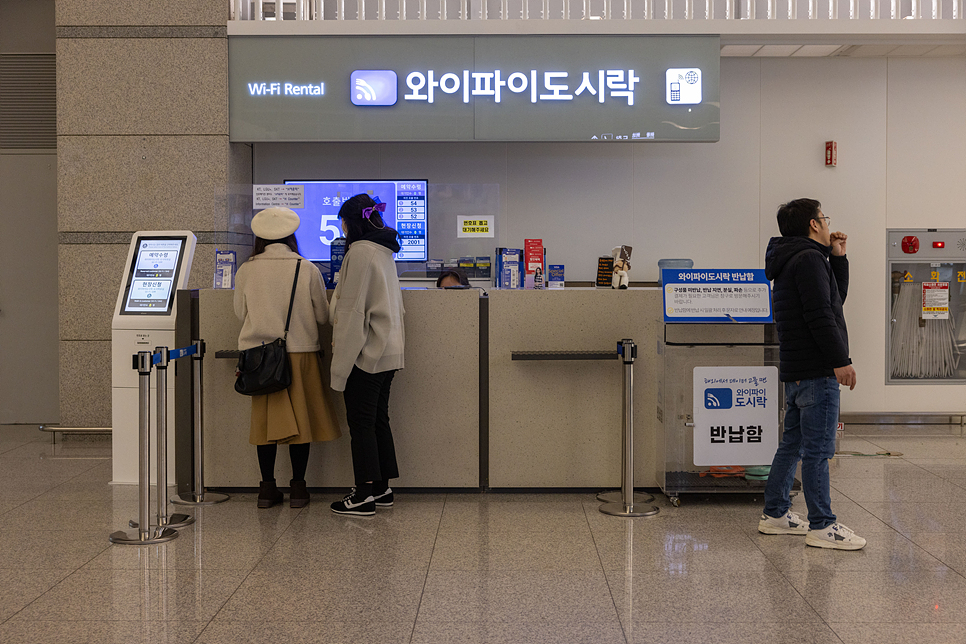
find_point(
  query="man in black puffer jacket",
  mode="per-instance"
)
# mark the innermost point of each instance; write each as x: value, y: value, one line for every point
x: 810, y: 287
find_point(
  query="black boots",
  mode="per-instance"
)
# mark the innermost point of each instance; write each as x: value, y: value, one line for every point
x: 268, y: 494
x: 298, y: 494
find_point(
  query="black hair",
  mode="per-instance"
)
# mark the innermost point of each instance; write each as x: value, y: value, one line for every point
x: 795, y: 216
x: 259, y: 247
x: 452, y: 272
x: 357, y: 227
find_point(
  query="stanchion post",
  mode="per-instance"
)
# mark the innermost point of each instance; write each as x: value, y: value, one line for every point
x: 162, y: 359
x: 199, y: 496
x: 627, y: 416
x: 626, y: 506
x: 144, y: 534
x: 175, y: 520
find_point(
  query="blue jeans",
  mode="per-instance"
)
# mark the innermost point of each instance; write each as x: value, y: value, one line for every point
x: 811, y: 415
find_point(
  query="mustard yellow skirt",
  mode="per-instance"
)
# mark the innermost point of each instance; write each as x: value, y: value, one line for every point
x: 303, y: 413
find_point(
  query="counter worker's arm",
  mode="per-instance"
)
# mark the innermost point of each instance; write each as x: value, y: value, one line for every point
x: 812, y: 282
x: 350, y: 323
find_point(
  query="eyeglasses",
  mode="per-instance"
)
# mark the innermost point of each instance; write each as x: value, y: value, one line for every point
x: 828, y: 220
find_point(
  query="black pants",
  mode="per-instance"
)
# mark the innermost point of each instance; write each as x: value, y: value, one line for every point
x: 367, y: 412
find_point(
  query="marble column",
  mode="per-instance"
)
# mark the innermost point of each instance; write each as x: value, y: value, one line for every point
x: 142, y: 138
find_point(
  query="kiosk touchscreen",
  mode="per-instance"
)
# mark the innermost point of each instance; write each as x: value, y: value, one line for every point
x: 158, y: 265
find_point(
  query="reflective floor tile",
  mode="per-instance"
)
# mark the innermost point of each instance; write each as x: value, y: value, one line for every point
x: 948, y: 468
x: 23, y: 631
x: 897, y: 489
x: 329, y: 631
x: 54, y: 548
x: 949, y: 548
x: 676, y: 552
x: 889, y: 596
x: 344, y: 544
x: 644, y: 632
x: 151, y: 595
x: 18, y: 589
x: 707, y: 597
x: 924, y: 447
x: 909, y: 518
x: 883, y: 552
x: 516, y: 631
x: 516, y: 516
x: 196, y: 548
x: 63, y: 515
x: 900, y: 633
x: 316, y: 595
x: 507, y: 551
x: 857, y: 467
x: 515, y: 596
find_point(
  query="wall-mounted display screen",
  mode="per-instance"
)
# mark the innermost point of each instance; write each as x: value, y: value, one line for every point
x: 153, y: 275
x: 406, y: 211
x: 605, y: 89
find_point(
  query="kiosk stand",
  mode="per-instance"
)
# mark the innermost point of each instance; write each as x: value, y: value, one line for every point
x: 158, y: 264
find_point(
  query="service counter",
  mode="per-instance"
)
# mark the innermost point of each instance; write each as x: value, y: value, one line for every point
x: 434, y: 407
x: 547, y: 424
x: 558, y: 423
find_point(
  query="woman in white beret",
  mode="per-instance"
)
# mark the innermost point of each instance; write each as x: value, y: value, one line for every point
x: 301, y: 414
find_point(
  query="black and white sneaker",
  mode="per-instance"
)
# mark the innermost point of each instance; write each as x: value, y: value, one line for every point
x: 355, y: 506
x: 385, y: 499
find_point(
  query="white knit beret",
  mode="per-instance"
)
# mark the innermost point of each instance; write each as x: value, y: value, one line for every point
x: 275, y: 223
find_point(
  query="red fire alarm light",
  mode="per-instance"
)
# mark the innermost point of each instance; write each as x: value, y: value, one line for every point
x: 910, y: 244
x: 939, y: 244
x: 831, y: 154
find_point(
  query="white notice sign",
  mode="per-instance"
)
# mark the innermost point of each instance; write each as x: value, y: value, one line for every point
x: 735, y: 415
x: 475, y: 226
x: 935, y: 300
x: 270, y: 196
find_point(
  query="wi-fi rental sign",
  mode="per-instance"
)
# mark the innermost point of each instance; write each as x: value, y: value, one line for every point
x: 373, y: 87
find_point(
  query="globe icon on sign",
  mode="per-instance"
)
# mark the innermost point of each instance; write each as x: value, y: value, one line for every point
x: 691, y: 77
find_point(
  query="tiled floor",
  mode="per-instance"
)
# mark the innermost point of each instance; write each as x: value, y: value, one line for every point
x: 491, y: 568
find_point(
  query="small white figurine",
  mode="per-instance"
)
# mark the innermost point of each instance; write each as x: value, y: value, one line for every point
x: 622, y: 264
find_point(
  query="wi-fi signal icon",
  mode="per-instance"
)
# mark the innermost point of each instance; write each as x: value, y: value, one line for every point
x: 364, y: 91
x: 712, y: 401
x: 368, y: 87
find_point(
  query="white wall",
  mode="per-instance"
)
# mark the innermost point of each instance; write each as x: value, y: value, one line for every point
x: 902, y: 151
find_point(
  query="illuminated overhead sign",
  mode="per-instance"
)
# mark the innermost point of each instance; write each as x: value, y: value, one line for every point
x: 459, y: 88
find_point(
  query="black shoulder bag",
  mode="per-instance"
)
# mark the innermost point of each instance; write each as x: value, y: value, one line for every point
x: 265, y: 369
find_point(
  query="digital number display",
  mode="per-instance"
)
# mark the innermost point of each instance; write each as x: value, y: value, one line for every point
x: 406, y: 211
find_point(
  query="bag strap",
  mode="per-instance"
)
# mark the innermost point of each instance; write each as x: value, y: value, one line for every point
x: 291, y: 300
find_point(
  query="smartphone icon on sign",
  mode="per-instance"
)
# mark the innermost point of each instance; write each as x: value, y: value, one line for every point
x: 675, y: 91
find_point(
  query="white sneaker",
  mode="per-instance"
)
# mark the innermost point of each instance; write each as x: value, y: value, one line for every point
x: 835, y: 536
x: 791, y: 523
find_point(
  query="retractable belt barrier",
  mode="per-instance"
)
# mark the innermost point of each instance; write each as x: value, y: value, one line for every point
x: 162, y: 530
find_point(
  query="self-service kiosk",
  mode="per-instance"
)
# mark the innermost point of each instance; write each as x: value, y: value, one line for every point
x: 158, y: 265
